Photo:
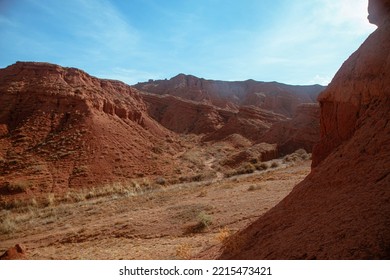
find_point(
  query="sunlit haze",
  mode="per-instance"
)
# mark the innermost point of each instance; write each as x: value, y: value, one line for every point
x: 294, y: 42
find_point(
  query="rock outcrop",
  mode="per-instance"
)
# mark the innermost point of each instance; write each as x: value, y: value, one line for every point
x: 250, y: 122
x: 18, y: 252
x: 219, y: 109
x: 360, y: 81
x: 342, y: 209
x: 184, y: 116
x: 62, y: 128
x: 300, y: 132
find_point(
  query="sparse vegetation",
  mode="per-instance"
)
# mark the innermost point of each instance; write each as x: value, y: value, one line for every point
x: 261, y: 166
x: 7, y: 225
x: 204, y: 221
x: 78, y: 170
x: 129, y: 208
x: 298, y: 155
x: 16, y: 186
x: 157, y: 150
x: 254, y: 187
x: 203, y: 193
x: 223, y: 235
x: 232, y: 244
x: 183, y: 251
x: 161, y: 181
x: 247, y: 168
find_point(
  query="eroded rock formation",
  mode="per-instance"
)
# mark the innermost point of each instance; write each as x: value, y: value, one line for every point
x: 342, y: 209
x: 61, y: 128
x: 300, y: 132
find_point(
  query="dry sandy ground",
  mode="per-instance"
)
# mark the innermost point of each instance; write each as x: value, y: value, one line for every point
x: 156, y: 225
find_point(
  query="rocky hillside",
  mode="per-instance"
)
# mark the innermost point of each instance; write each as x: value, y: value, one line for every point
x: 61, y: 128
x: 300, y: 132
x: 184, y: 116
x: 342, y: 209
x: 272, y: 96
x: 217, y: 110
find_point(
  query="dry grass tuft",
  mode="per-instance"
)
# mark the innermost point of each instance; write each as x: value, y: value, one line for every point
x: 7, y: 225
x: 223, y: 235
x: 204, y: 221
x: 183, y: 251
x: 254, y: 188
x: 232, y: 244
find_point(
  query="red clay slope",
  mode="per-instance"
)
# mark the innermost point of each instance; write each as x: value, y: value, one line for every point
x: 342, y: 209
x: 62, y: 128
x: 302, y: 131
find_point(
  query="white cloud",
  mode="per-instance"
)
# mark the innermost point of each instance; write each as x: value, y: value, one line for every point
x: 350, y: 15
x: 104, y: 29
x: 321, y: 80
x: 85, y: 30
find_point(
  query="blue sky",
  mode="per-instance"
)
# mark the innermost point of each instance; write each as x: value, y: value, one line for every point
x: 289, y: 41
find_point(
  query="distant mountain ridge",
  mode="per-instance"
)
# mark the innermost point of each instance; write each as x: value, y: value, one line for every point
x: 276, y: 97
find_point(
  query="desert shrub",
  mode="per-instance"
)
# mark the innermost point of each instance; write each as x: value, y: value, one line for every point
x: 7, y: 225
x: 203, y: 193
x: 183, y: 251
x: 261, y: 166
x: 232, y: 244
x: 254, y: 188
x: 197, y: 178
x: 298, y: 155
x: 160, y: 181
x: 301, y: 152
x: 194, y: 178
x: 290, y: 158
x: 51, y: 199
x: 75, y: 196
x: 78, y: 170
x: 223, y: 235
x: 274, y: 164
x: 204, y: 221
x: 229, y: 174
x: 17, y: 186
x: 247, y: 168
x: 157, y: 150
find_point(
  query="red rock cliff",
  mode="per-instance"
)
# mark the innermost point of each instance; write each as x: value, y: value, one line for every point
x: 342, y: 209
x: 62, y: 128
x: 363, y: 78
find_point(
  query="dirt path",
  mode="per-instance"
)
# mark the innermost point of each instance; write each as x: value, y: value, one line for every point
x: 156, y: 225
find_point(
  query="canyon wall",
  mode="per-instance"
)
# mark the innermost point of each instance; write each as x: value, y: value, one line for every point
x: 342, y: 209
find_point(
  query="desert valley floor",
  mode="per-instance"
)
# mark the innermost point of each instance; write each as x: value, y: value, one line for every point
x: 172, y: 222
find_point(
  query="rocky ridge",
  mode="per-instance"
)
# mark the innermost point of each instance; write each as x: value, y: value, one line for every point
x: 341, y: 210
x: 62, y: 128
x: 272, y: 96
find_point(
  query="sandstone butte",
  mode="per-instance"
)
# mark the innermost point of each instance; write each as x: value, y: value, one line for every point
x: 342, y: 209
